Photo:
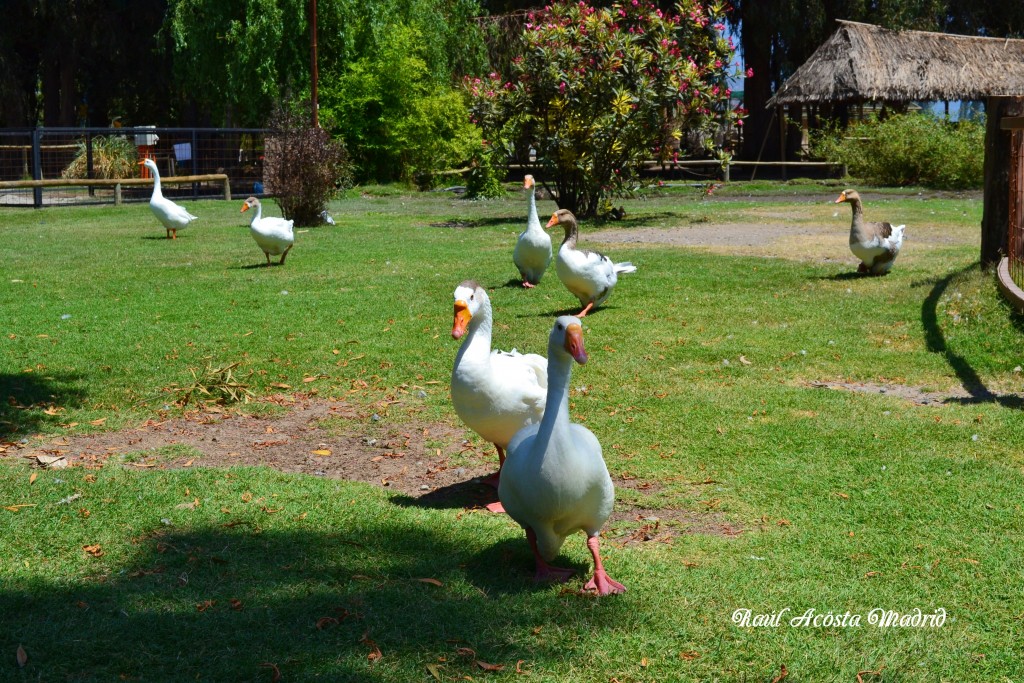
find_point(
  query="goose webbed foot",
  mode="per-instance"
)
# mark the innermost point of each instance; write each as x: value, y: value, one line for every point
x: 545, y: 572
x: 601, y: 583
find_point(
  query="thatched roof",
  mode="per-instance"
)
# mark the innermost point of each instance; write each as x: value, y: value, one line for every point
x: 866, y: 62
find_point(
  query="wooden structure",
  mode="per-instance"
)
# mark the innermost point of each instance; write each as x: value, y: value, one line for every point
x: 862, y: 62
x: 117, y: 183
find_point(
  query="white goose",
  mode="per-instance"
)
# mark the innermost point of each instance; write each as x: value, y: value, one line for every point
x: 494, y: 392
x: 876, y: 244
x: 172, y: 216
x: 555, y: 482
x: 533, y: 247
x: 589, y: 275
x: 273, y: 235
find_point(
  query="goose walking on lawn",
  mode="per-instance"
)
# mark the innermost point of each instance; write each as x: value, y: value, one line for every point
x: 533, y: 247
x: 589, y: 275
x: 495, y: 393
x: 555, y: 481
x: 172, y: 216
x: 273, y: 235
x: 876, y: 244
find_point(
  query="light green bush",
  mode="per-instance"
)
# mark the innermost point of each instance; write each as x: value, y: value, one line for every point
x: 908, y: 149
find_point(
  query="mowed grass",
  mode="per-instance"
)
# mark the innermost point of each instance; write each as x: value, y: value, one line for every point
x: 700, y: 382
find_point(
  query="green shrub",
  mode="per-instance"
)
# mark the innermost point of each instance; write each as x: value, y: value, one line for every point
x: 112, y: 157
x: 486, y: 170
x: 908, y: 149
x: 400, y: 121
x: 304, y: 167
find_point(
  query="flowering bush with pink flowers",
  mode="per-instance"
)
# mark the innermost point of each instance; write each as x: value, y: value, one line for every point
x: 596, y: 91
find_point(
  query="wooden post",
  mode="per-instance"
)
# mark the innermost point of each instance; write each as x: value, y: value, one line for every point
x: 995, y: 216
x: 117, y: 194
x: 227, y: 188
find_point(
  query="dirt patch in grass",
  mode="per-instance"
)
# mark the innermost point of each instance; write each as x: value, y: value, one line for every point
x: 921, y: 397
x: 426, y: 464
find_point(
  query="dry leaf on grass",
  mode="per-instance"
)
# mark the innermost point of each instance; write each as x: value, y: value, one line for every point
x: 322, y: 451
x: 32, y: 479
x: 433, y: 582
x: 435, y: 671
x: 489, y: 667
x: 275, y: 673
x: 375, y: 652
x: 95, y: 550
x: 783, y: 672
x: 21, y: 656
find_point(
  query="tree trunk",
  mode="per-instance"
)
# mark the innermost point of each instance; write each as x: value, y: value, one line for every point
x: 760, y: 138
x: 996, y: 212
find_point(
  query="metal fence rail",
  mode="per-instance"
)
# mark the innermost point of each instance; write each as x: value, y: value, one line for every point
x: 56, y: 153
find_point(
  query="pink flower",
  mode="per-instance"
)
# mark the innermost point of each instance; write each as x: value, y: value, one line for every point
x: 561, y: 87
x: 750, y: 73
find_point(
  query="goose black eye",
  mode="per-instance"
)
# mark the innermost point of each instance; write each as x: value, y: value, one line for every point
x: 472, y: 297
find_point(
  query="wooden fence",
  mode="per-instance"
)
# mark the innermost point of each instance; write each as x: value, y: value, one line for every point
x: 118, y: 183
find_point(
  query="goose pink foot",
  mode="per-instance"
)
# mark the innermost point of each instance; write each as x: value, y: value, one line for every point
x: 602, y: 583
x: 528, y: 285
x: 545, y: 572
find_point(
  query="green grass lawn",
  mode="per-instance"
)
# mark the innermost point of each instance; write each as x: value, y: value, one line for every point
x: 703, y: 381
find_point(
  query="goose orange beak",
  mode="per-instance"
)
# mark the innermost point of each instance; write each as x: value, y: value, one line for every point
x: 841, y: 198
x: 553, y: 222
x: 245, y: 207
x: 574, y: 343
x: 528, y: 182
x: 461, y: 321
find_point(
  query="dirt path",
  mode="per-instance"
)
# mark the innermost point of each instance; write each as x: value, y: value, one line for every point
x: 428, y: 464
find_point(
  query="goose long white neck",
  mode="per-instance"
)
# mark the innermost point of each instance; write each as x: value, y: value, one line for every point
x: 554, y: 426
x: 257, y: 215
x: 532, y: 220
x: 476, y: 350
x: 156, y: 182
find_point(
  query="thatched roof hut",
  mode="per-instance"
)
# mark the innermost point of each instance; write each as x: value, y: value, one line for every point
x: 863, y: 62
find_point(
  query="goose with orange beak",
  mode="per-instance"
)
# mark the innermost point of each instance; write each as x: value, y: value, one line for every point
x: 555, y: 481
x: 532, y: 254
x: 876, y: 244
x: 495, y: 393
x: 172, y: 216
x: 589, y: 275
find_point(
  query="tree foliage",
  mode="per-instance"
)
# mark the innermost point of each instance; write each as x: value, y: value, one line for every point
x: 402, y: 121
x: 596, y: 91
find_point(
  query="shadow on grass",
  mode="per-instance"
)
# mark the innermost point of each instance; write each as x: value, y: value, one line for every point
x: 936, y: 343
x: 476, y: 222
x: 847, y: 275
x: 24, y: 397
x: 570, y: 311
x: 229, y: 604
x: 461, y: 495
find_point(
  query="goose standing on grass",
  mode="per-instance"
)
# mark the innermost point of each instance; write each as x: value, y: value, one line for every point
x: 273, y: 235
x: 495, y: 393
x: 589, y: 275
x: 875, y: 244
x: 533, y: 247
x: 172, y: 216
x: 555, y: 482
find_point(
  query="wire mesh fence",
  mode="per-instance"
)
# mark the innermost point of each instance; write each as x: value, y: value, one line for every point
x: 113, y: 153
